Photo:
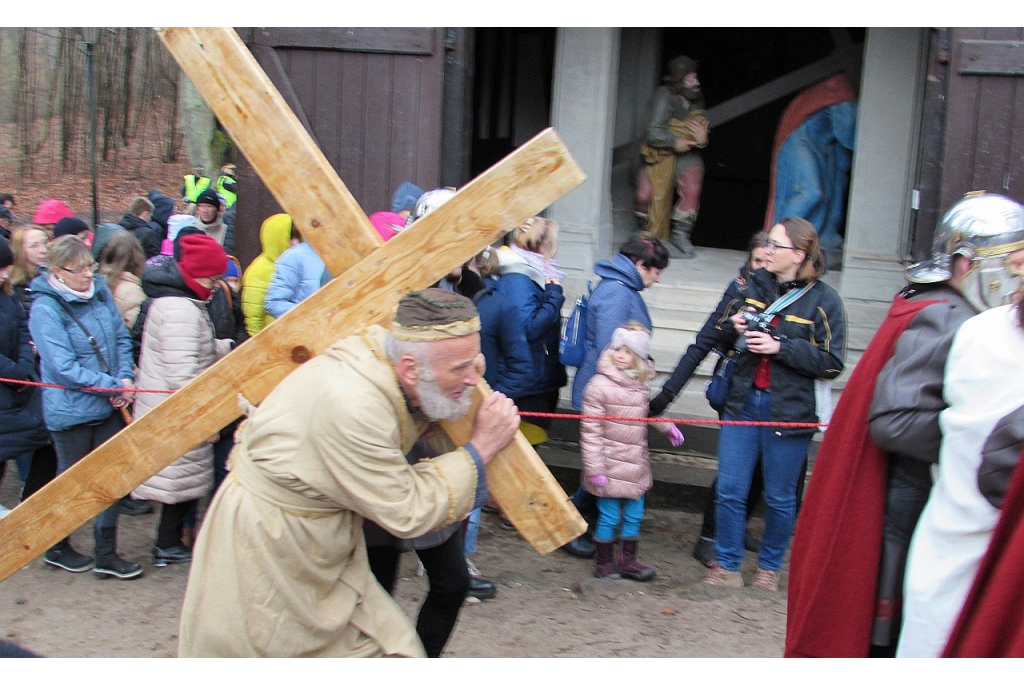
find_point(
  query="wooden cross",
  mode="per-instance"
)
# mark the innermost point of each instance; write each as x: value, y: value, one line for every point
x: 373, y: 276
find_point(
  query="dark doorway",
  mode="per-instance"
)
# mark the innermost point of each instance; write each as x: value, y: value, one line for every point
x: 512, y: 90
x: 734, y: 61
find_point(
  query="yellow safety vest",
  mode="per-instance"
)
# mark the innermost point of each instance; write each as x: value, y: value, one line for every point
x: 229, y: 197
x: 194, y: 185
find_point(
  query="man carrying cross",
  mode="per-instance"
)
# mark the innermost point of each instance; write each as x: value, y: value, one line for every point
x: 280, y: 567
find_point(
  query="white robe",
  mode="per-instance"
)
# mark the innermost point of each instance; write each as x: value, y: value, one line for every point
x: 984, y: 382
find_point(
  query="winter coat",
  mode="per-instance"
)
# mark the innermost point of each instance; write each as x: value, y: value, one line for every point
x: 101, y: 236
x: 616, y: 300
x: 223, y: 306
x: 219, y: 231
x: 909, y: 395
x: 503, y: 343
x: 617, y: 449
x: 540, y: 308
x: 21, y: 432
x: 129, y: 296
x: 707, y: 336
x: 813, y: 337
x: 146, y: 233
x: 178, y: 343
x: 163, y: 207
x: 297, y: 274
x: 67, y: 358
x: 275, y: 237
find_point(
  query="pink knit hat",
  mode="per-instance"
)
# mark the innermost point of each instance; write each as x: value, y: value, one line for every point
x: 52, y: 211
x: 388, y: 224
x: 638, y: 341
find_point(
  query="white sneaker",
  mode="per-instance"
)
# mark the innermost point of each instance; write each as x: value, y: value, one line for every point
x: 4, y: 511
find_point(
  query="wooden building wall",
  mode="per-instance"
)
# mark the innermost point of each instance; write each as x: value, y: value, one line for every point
x: 372, y: 100
x: 984, y: 133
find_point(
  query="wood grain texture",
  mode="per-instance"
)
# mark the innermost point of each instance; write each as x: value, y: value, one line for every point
x: 274, y: 141
x: 529, y: 495
x: 519, y: 186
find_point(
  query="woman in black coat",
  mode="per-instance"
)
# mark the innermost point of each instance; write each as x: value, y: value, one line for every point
x: 21, y: 412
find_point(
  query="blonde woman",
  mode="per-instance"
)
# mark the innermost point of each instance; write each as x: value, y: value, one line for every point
x: 531, y: 280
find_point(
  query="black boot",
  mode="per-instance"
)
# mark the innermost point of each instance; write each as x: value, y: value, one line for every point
x: 107, y: 561
x: 630, y: 566
x: 63, y: 555
x: 604, y: 564
x: 177, y: 554
x: 580, y: 547
x: 682, y: 229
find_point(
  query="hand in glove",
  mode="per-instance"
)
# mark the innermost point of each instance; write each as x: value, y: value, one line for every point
x: 659, y: 404
x: 598, y: 481
x: 675, y: 436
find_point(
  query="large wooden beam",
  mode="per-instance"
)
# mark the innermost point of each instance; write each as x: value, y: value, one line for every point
x: 844, y: 59
x: 247, y: 103
x: 519, y: 186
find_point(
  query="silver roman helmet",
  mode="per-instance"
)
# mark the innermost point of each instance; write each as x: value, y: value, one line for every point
x: 985, y: 229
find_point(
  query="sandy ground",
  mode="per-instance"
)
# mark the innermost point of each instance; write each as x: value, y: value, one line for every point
x: 547, y: 606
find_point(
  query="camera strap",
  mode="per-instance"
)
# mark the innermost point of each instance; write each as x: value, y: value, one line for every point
x: 788, y: 299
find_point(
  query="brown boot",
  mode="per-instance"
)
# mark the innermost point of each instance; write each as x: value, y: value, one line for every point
x: 604, y: 563
x: 630, y: 566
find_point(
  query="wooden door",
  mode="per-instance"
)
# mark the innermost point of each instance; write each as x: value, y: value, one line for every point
x: 370, y: 97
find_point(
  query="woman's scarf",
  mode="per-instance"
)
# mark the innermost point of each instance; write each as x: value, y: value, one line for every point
x: 62, y: 287
x: 548, y: 267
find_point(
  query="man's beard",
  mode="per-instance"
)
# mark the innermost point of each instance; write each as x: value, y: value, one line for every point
x: 436, y: 405
x: 691, y: 94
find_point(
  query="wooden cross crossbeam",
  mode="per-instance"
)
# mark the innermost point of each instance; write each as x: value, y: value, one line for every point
x: 373, y: 278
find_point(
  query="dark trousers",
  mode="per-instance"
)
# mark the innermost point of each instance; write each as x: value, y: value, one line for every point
x: 42, y: 469
x: 448, y: 576
x: 172, y: 519
x: 906, y: 494
x: 542, y: 404
x: 74, y: 443
x: 41, y: 472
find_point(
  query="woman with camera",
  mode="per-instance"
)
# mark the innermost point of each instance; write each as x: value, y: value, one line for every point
x: 791, y: 331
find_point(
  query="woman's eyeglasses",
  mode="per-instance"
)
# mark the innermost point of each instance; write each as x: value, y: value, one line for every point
x: 91, y: 268
x: 770, y: 247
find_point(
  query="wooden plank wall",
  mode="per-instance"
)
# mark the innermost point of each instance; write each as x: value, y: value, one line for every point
x: 984, y: 135
x: 371, y: 98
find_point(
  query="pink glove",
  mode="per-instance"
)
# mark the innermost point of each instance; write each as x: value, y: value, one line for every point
x: 675, y: 436
x: 598, y: 481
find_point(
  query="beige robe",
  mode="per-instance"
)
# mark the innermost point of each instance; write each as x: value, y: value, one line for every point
x: 280, y: 565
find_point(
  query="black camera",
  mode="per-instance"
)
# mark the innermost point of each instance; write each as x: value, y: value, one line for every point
x: 756, y: 321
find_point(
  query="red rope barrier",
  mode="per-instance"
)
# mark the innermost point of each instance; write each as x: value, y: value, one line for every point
x: 534, y: 414
x: 662, y: 419
x: 87, y: 388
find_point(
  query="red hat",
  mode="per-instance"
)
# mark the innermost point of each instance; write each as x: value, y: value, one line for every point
x: 52, y: 211
x: 202, y: 257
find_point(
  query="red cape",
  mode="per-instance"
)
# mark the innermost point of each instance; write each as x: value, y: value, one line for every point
x: 822, y: 94
x: 838, y: 539
x: 990, y: 623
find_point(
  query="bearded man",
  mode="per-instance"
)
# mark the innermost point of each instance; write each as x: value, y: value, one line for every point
x: 678, y: 128
x: 280, y: 567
